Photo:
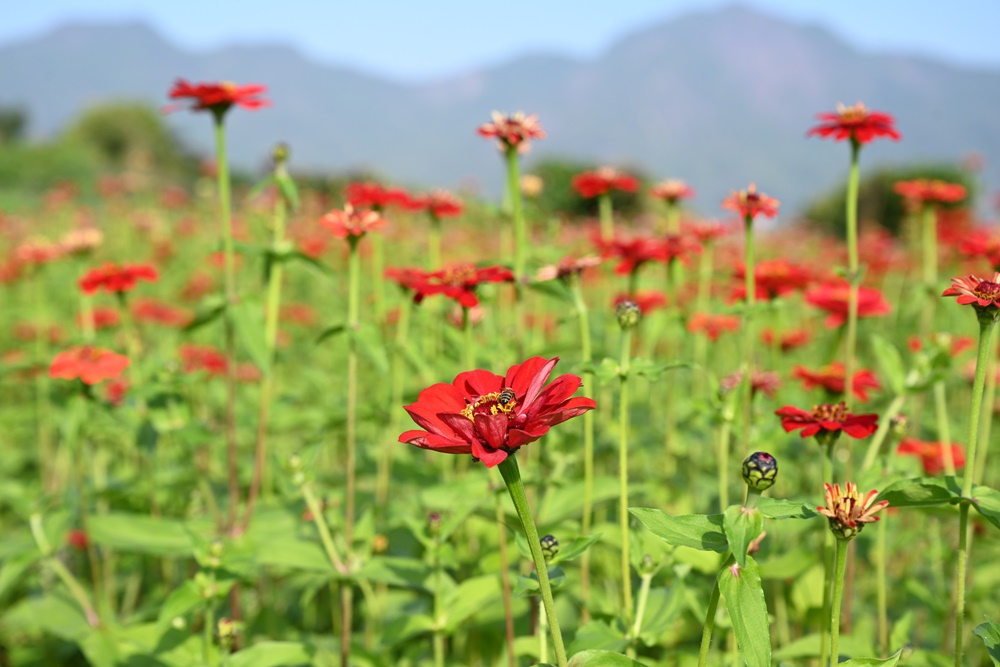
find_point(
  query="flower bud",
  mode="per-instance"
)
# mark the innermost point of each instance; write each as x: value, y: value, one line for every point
x: 628, y: 314
x: 550, y: 547
x: 647, y: 566
x: 380, y: 544
x: 280, y: 153
x: 434, y: 523
x: 898, y: 426
x: 760, y: 469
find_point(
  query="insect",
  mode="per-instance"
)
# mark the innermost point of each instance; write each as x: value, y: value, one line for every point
x: 506, y: 396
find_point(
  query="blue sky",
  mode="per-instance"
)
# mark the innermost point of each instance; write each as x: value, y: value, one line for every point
x: 414, y: 40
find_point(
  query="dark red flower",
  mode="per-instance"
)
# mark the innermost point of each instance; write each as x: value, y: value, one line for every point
x: 218, y: 97
x: 457, y: 282
x: 590, y: 184
x: 982, y: 294
x: 512, y: 131
x: 647, y: 300
x: 117, y: 278
x: 788, y: 340
x: 924, y: 191
x: 374, y: 196
x: 827, y: 420
x: 77, y: 539
x: 856, y: 123
x: 632, y: 253
x: 981, y: 243
x: 833, y: 298
x: 351, y: 222
x: 90, y: 364
x: 831, y: 379
x: 157, y: 312
x: 196, y: 358
x: 749, y: 203
x: 712, y: 326
x: 671, y: 191
x: 932, y: 454
x: 490, y: 416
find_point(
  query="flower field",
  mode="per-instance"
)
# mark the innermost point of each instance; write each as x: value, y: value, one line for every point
x: 277, y: 425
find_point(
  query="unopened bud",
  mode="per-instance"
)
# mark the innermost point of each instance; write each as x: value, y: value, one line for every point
x: 280, y: 152
x: 760, y: 469
x: 550, y: 547
x: 434, y: 523
x: 628, y: 314
x: 380, y: 544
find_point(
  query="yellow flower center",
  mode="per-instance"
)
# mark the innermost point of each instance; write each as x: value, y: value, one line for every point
x: 483, y: 406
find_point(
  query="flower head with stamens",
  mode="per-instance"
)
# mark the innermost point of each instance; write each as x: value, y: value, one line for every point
x: 981, y: 293
x: 749, y: 203
x: 118, y: 278
x: 513, y: 132
x: 856, y: 123
x: 218, y: 97
x: 848, y: 512
x: 490, y: 416
x: 826, y: 421
x: 90, y: 364
x: 352, y: 223
x: 456, y: 282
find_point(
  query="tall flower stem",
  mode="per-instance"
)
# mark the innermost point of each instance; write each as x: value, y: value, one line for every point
x: 750, y: 286
x: 882, y: 597
x: 274, y: 279
x: 397, y: 374
x: 517, y: 213
x: 828, y: 563
x: 607, y: 217
x: 987, y: 323
x: 437, y: 638
x: 623, y: 426
x: 470, y: 341
x: 353, y: 320
x: 705, y: 269
x: 640, y: 611
x: 378, y: 277
x: 583, y: 316
x: 515, y: 486
x: 434, y: 245
x: 46, y: 456
x: 709, y: 627
x: 853, y: 269
x: 76, y: 589
x: 884, y: 425
x: 987, y: 422
x: 838, y: 596
x: 229, y: 285
x: 725, y: 433
x: 508, y: 603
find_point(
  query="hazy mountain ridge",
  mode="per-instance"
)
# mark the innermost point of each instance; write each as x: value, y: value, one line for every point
x: 719, y: 98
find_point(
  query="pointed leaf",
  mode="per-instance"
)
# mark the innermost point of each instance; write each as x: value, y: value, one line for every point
x: 987, y: 503
x: 698, y: 531
x: 890, y: 362
x: 742, y: 527
x: 368, y: 339
x: 922, y: 492
x: 248, y: 322
x: 989, y: 632
x: 272, y: 654
x: 602, y: 659
x: 744, y: 595
x: 873, y: 662
x: 777, y: 508
x: 574, y: 549
x: 331, y: 331
x: 597, y: 635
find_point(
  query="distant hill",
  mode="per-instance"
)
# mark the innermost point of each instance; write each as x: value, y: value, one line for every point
x: 719, y: 98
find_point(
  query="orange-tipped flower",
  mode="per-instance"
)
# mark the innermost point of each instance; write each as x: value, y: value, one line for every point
x: 980, y: 293
x: 848, y: 512
x: 512, y: 131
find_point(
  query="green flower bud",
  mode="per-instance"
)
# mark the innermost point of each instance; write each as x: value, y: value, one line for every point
x: 760, y: 469
x: 628, y: 314
x: 550, y: 547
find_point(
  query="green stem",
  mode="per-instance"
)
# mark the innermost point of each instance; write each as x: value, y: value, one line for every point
x: 722, y: 465
x: 76, y: 590
x: 438, y: 635
x: 623, y: 426
x: 543, y: 635
x: 828, y: 565
x: 986, y: 426
x: 588, y: 439
x: 750, y: 286
x: 434, y: 245
x: 208, y: 631
x: 396, y: 399
x: 883, y: 607
x: 470, y: 343
x: 705, y: 271
x: 517, y: 210
x: 508, y: 603
x: 709, y: 627
x: 640, y: 610
x: 853, y: 270
x: 986, y: 326
x: 378, y: 276
x: 944, y: 428
x: 607, y: 217
x: 884, y: 425
x: 324, y: 531
x: 353, y: 320
x: 515, y: 486
x: 838, y: 596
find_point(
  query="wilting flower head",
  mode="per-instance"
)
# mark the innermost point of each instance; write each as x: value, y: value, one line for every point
x: 926, y: 192
x: 351, y: 223
x: 712, y: 326
x: 513, y: 132
x: 490, y: 416
x: 671, y: 191
x: 218, y: 97
x: 834, y: 297
x: 760, y: 470
x: 457, y: 282
x: 749, y: 203
x: 590, y: 184
x: 932, y: 454
x: 826, y: 421
x: 119, y: 278
x: 567, y: 267
x: 831, y: 378
x: 856, y: 123
x: 848, y: 512
x: 90, y: 364
x: 980, y: 293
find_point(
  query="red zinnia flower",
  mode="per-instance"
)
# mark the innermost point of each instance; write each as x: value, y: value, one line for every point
x: 671, y: 191
x: 513, y: 131
x: 831, y: 378
x: 923, y: 191
x: 592, y: 184
x: 789, y: 340
x: 374, y: 196
x: 632, y: 253
x: 90, y: 364
x: 567, y: 266
x: 104, y: 318
x: 848, y: 512
x: 490, y: 416
x: 77, y: 539
x: 932, y: 454
x: 218, y: 97
x: 206, y: 358
x: 833, y: 298
x: 456, y: 282
x: 119, y: 278
x: 764, y: 382
x: 749, y: 203
x: 981, y: 243
x: 647, y: 300
x: 442, y: 204
x: 826, y: 421
x: 980, y: 293
x: 705, y: 231
x: 773, y: 278
x: 351, y: 222
x: 157, y: 312
x: 712, y: 326
x: 115, y: 391
x: 856, y: 123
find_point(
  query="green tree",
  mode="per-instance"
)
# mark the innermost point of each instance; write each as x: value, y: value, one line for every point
x: 13, y: 122
x: 559, y: 198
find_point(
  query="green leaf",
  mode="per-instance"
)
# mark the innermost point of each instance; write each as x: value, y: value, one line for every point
x: 902, y: 630
x: 574, y: 549
x: 13, y: 570
x: 744, y: 595
x: 272, y: 654
x: 470, y: 596
x: 182, y: 600
x: 311, y: 262
x: 407, y: 626
x: 331, y: 331
x: 556, y: 289
x: 742, y: 527
x: 890, y: 362
x: 788, y: 564
x: 698, y: 531
x: 873, y: 662
x: 141, y: 534
x: 396, y: 571
x: 990, y: 634
x: 651, y: 370
x: 211, y: 309
x: 369, y: 340
x: 602, y: 659
x: 597, y: 635
x: 289, y: 191
x: 248, y: 322
x: 528, y: 586
x: 663, y: 608
x: 922, y: 492
x: 809, y: 647
x: 259, y: 187
x: 987, y: 503
x: 776, y: 508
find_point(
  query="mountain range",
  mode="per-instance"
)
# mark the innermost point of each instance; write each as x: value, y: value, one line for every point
x: 719, y: 98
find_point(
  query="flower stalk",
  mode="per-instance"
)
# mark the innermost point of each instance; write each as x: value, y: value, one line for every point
x: 586, y: 354
x: 748, y: 341
x: 838, y: 596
